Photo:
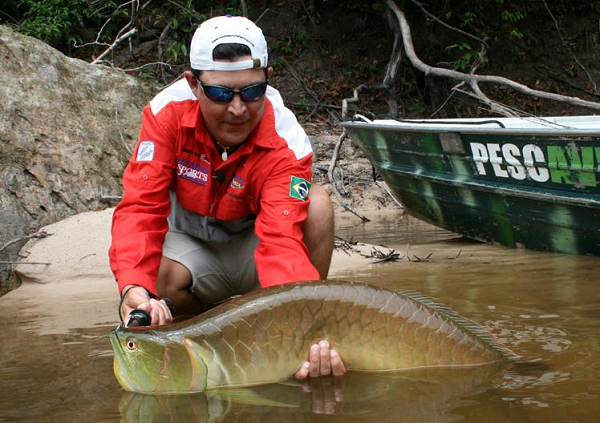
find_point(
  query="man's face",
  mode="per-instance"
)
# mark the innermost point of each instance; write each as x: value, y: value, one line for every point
x: 229, y: 123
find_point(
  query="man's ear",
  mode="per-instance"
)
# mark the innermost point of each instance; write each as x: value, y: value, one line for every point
x: 192, y: 82
x: 269, y: 72
x: 189, y: 77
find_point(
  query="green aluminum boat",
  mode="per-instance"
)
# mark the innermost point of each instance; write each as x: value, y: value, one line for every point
x: 531, y: 183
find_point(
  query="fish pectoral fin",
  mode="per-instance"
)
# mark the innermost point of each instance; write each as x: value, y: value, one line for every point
x: 198, y: 360
x: 250, y: 397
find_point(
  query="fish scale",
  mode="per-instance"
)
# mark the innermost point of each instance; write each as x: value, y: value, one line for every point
x: 264, y: 337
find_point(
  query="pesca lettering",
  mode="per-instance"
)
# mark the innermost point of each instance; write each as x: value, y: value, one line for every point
x: 570, y: 164
x: 508, y: 161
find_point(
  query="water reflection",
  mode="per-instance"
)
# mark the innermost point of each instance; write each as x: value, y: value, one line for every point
x: 416, y: 396
x: 57, y: 362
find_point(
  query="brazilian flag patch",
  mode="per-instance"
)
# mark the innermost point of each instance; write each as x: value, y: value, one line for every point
x: 299, y: 188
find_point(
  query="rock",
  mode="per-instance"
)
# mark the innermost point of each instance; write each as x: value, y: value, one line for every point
x: 66, y: 132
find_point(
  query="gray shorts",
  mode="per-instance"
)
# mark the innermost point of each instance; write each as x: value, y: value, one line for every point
x: 219, y: 271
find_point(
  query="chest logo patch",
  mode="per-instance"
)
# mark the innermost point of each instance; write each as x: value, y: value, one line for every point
x: 237, y: 182
x: 299, y: 188
x: 194, y: 172
x: 145, y: 152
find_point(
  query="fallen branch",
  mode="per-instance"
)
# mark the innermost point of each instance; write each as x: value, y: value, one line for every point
x: 332, y: 180
x: 473, y: 79
x: 387, y: 190
x: 315, y: 105
x: 345, y: 246
x: 545, y: 72
x: 389, y: 80
x: 262, y: 15
x: 146, y: 65
x: 356, y: 96
x: 419, y: 259
x: 38, y: 234
x: 381, y: 257
x: 111, y: 197
x: 114, y: 45
x: 456, y: 257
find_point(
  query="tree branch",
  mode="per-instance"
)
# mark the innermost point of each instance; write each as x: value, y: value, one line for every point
x: 332, y: 180
x: 569, y: 49
x: 113, y: 45
x: 473, y: 79
x: 441, y: 22
x: 38, y: 234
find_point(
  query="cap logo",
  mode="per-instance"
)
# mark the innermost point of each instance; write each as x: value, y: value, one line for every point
x: 233, y: 35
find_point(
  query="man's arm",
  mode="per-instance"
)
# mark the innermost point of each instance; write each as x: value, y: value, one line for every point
x: 140, y: 220
x: 281, y: 255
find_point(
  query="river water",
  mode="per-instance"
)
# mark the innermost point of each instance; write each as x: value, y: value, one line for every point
x: 57, y: 361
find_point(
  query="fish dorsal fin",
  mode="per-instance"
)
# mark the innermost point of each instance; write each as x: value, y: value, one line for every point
x: 198, y: 360
x: 472, y: 328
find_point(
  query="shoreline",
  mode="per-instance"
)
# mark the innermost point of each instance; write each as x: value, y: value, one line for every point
x: 71, y: 286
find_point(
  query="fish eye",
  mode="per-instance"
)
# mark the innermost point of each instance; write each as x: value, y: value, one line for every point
x: 131, y: 344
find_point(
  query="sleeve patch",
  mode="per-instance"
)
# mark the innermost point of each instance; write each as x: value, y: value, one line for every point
x: 145, y: 151
x: 299, y: 188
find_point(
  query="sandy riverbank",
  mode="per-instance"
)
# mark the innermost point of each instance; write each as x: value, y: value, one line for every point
x: 66, y: 275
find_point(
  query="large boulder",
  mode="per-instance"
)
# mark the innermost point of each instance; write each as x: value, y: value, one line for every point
x: 66, y: 131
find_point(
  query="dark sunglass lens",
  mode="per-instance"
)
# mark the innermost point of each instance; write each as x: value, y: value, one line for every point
x: 214, y: 93
x: 254, y: 92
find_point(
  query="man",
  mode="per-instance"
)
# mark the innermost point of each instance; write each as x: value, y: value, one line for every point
x: 217, y: 195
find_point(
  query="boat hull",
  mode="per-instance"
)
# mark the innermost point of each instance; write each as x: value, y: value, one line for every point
x: 539, y: 191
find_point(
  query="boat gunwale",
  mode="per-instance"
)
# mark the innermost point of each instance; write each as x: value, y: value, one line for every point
x: 462, y: 128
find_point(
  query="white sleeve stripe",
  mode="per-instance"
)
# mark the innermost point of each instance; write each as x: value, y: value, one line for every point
x: 179, y: 91
x: 287, y: 127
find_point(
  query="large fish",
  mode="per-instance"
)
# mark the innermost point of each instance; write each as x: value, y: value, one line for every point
x: 264, y: 337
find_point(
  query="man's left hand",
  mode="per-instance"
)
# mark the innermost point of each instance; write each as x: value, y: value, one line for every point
x: 322, y: 361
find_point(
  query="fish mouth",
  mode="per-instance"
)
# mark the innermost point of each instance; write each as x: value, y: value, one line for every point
x: 120, y: 366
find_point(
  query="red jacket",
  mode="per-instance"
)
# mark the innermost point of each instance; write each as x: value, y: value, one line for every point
x: 175, y: 153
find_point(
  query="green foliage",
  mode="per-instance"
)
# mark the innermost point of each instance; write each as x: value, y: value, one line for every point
x: 572, y: 69
x: 513, y: 18
x: 468, y: 19
x: 467, y: 58
x: 177, y: 48
x: 352, y: 5
x: 63, y: 23
x: 292, y: 44
x: 54, y: 21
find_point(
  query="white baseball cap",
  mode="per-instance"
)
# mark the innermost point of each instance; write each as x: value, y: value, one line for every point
x: 224, y: 30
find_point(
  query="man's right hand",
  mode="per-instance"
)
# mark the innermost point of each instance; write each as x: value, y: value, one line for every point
x: 136, y: 297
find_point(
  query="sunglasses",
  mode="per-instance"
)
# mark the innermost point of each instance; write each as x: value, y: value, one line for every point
x: 222, y: 94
